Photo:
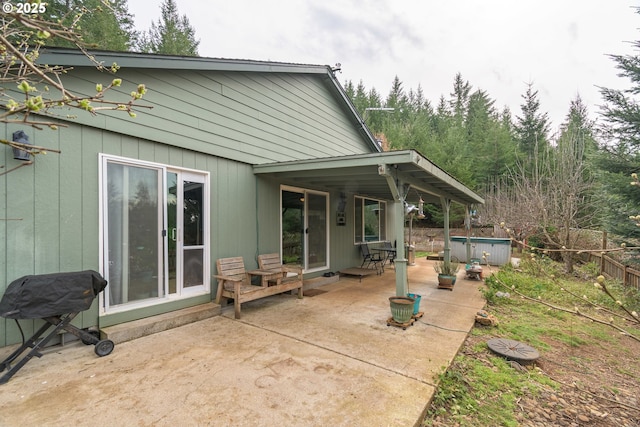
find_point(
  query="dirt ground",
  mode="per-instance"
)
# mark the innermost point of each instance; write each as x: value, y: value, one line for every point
x: 598, y: 387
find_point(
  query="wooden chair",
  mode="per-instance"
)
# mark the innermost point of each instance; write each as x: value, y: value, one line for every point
x: 288, y: 273
x: 234, y: 281
x: 269, y: 262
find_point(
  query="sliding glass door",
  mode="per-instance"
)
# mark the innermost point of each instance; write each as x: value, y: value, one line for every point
x: 155, y: 228
x: 316, y: 231
x: 304, y: 225
x: 134, y: 244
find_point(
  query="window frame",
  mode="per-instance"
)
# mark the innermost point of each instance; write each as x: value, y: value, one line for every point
x: 360, y: 224
x: 201, y: 176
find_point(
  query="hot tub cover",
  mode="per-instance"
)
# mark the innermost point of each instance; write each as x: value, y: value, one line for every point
x: 45, y: 295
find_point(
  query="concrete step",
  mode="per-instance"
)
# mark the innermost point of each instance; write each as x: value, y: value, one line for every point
x: 151, y: 325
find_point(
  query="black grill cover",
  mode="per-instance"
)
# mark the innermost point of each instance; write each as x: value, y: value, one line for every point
x: 45, y: 295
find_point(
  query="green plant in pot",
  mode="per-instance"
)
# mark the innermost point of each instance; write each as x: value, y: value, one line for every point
x: 447, y: 271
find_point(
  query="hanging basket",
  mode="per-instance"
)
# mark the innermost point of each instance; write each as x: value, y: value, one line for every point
x: 401, y: 308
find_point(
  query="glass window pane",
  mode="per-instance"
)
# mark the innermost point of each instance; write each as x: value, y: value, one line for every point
x: 193, y: 267
x: 172, y: 229
x: 133, y: 224
x: 193, y: 228
x: 292, y: 227
x: 317, y: 225
x: 383, y: 220
x: 358, y: 226
x: 371, y: 220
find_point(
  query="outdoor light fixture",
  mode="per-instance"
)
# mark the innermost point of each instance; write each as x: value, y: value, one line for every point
x: 22, y: 138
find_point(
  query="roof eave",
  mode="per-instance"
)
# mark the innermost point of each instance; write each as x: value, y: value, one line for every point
x: 75, y: 58
x: 421, y: 172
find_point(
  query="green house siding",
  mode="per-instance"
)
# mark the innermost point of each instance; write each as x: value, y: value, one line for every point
x: 249, y: 117
x: 220, y: 117
x: 51, y: 219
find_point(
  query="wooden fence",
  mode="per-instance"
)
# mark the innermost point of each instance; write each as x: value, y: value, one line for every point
x: 610, y: 267
x: 629, y: 276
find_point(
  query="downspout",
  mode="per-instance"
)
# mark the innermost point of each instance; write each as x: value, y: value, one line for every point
x: 397, y: 190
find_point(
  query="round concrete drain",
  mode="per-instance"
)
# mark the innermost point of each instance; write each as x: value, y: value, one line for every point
x: 513, y: 350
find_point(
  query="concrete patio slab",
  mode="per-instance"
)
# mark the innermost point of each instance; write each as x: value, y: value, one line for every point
x: 328, y: 359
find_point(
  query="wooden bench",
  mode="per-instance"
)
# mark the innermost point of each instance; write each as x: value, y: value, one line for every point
x: 234, y: 281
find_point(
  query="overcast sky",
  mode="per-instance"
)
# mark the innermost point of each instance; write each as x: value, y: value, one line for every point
x: 561, y: 46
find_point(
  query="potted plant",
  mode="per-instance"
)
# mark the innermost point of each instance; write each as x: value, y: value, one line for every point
x: 447, y: 271
x: 401, y: 309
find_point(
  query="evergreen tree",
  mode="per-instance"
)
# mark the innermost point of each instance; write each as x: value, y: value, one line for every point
x: 532, y: 127
x: 360, y: 98
x: 480, y: 113
x: 373, y: 120
x: 464, y: 135
x: 621, y: 109
x: 489, y: 143
x: 399, y: 122
x: 396, y: 96
x: 578, y: 124
x: 618, y: 199
x: 171, y: 35
x: 460, y: 97
x: 443, y: 108
x: 103, y: 26
x: 620, y: 156
x: 417, y: 100
x: 349, y: 90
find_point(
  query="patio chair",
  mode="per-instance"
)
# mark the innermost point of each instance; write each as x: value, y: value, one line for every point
x: 369, y: 258
x: 390, y: 252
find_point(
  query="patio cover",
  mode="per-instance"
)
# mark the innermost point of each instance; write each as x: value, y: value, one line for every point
x: 387, y: 176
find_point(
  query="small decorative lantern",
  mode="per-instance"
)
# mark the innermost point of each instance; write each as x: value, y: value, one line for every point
x: 23, y: 138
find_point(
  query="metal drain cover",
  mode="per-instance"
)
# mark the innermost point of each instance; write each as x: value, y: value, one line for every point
x: 513, y: 350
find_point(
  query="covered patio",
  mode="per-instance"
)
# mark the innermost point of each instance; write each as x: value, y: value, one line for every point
x: 396, y: 176
x: 327, y: 359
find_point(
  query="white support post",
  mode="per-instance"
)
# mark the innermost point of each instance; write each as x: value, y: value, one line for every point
x: 446, y: 208
x: 400, y: 263
x: 399, y: 191
x: 467, y: 224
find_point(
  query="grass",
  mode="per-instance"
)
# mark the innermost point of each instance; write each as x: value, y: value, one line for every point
x: 424, y: 254
x: 474, y: 392
x: 480, y: 388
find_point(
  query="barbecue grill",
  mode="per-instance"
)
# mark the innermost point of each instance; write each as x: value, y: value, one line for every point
x: 57, y: 299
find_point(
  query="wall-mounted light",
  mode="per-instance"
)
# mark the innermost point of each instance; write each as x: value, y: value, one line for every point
x: 22, y: 138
